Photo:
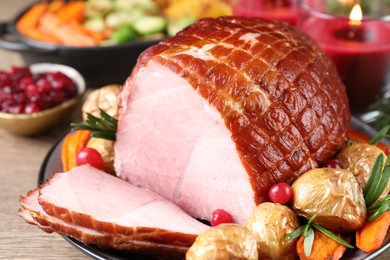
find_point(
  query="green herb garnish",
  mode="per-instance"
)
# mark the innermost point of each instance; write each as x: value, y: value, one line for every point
x: 380, y: 135
x: 376, y: 184
x: 377, y: 181
x: 104, y: 127
x: 308, y: 234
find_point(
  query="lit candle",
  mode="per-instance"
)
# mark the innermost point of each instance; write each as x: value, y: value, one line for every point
x: 281, y: 10
x: 360, y: 49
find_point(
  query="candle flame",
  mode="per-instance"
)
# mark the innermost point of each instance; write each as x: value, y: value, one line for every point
x: 356, y: 16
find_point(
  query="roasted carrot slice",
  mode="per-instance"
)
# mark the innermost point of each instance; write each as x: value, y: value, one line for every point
x: 72, y: 11
x: 324, y: 248
x: 371, y: 236
x: 68, y: 33
x: 55, y: 5
x: 359, y: 137
x: 72, y: 144
x: 31, y: 18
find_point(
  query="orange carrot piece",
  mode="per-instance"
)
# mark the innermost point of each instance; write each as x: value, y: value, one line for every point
x: 38, y: 35
x: 359, y: 137
x: 68, y: 33
x: 28, y: 24
x: 324, y: 248
x: 371, y: 236
x: 72, y: 11
x: 72, y: 144
x: 55, y: 5
x: 31, y: 18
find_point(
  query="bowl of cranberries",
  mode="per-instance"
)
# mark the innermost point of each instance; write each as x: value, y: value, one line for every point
x: 36, y: 98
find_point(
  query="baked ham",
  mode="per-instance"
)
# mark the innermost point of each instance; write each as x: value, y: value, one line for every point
x: 216, y: 115
x: 97, y: 208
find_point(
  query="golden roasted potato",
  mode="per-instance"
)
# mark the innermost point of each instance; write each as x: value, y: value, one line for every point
x: 271, y: 223
x: 106, y: 149
x: 359, y: 159
x: 334, y: 195
x: 225, y: 241
x: 105, y: 98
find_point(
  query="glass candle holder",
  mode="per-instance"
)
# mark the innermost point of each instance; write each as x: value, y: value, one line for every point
x: 357, y: 43
x: 281, y: 10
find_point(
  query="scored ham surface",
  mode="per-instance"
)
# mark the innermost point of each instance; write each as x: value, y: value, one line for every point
x: 97, y: 208
x: 213, y: 117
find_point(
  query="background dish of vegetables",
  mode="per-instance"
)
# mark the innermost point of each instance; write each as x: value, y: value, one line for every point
x: 105, y: 22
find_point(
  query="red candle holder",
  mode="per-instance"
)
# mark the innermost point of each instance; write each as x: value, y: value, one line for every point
x: 359, y: 49
x: 281, y: 10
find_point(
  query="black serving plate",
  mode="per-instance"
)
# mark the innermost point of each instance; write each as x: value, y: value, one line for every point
x: 52, y: 163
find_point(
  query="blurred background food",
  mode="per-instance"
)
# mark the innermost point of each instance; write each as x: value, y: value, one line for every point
x: 104, y: 22
x: 100, y: 38
x: 37, y: 98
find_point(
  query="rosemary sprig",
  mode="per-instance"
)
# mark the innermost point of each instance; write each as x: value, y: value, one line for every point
x: 380, y: 135
x: 377, y: 181
x: 308, y: 234
x: 376, y: 184
x: 382, y: 109
x: 104, y: 127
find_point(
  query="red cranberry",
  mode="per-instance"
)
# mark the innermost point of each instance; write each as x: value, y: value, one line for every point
x: 280, y: 193
x: 24, y: 92
x: 332, y: 163
x: 220, y: 216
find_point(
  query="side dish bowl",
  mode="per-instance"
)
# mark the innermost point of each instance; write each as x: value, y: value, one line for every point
x: 99, y: 65
x: 40, y: 122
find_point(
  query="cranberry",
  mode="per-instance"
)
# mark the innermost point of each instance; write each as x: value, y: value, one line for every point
x: 220, y: 216
x: 280, y: 193
x: 31, y: 108
x: 332, y: 163
x: 24, y: 92
x: 90, y: 156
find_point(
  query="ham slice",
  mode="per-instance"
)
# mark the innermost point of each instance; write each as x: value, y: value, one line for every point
x: 97, y: 208
x: 216, y: 115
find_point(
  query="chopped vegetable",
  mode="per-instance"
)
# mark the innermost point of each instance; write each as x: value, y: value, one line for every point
x: 323, y: 248
x: 72, y: 11
x: 149, y: 25
x: 72, y: 144
x: 124, y: 34
x: 304, y: 229
x: 371, y: 236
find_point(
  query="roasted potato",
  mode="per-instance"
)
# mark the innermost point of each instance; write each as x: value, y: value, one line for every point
x: 359, y: 159
x: 105, y: 98
x: 334, y: 195
x: 271, y: 223
x: 225, y: 241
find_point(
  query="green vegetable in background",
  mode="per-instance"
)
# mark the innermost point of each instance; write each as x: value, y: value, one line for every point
x: 123, y: 34
x: 149, y: 25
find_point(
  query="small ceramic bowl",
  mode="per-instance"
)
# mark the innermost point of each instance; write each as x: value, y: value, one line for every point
x: 43, y: 121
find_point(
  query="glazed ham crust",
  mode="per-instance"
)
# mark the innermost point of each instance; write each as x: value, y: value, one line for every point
x: 277, y: 93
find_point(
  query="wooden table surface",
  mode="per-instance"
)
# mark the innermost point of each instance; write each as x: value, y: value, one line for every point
x: 20, y: 161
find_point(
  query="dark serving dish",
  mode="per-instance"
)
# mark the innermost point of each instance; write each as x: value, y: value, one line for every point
x: 99, y: 65
x: 52, y: 163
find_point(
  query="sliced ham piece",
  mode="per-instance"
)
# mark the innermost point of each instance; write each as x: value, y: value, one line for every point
x: 97, y: 208
x: 216, y: 115
x: 33, y: 213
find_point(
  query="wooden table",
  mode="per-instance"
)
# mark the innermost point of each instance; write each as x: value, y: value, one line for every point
x: 20, y: 161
